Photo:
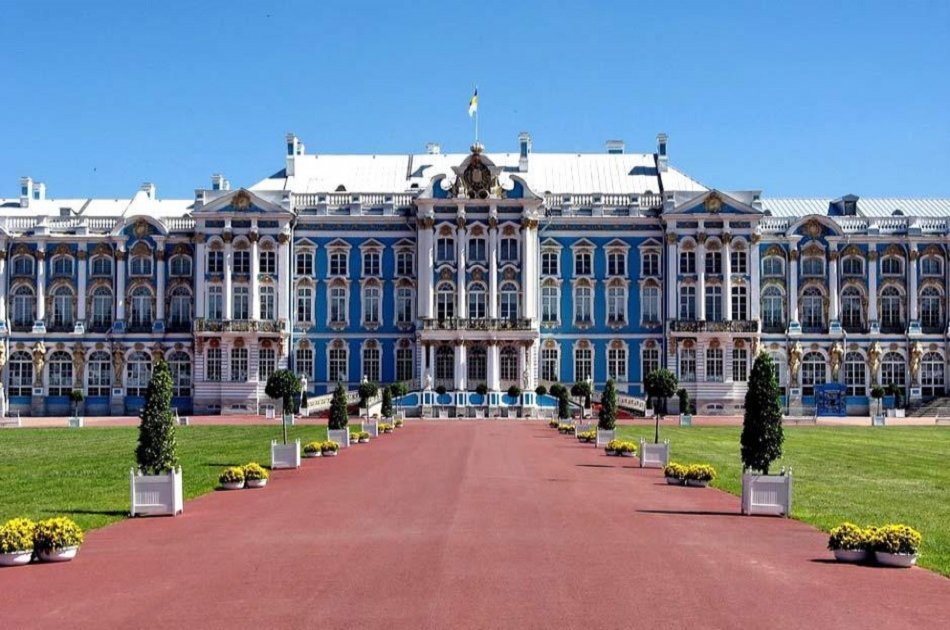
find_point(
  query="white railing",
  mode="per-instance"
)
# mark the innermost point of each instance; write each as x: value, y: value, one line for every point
x: 180, y: 224
x: 346, y: 199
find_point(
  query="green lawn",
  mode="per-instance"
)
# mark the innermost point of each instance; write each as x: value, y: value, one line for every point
x: 860, y: 474
x: 84, y: 473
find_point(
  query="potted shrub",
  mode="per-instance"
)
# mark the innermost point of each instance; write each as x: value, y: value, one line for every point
x: 613, y: 447
x: 16, y: 542
x: 232, y: 478
x: 311, y: 449
x: 398, y: 423
x: 514, y: 392
x: 607, y: 416
x: 75, y: 398
x: 440, y: 390
x: 57, y: 539
x: 364, y: 437
x: 898, y: 393
x: 584, y: 391
x: 386, y: 427
x: 329, y: 448
x: 675, y: 474
x: 699, y: 475
x: 255, y: 475
x: 896, y: 546
x: 553, y: 423
x: 157, y: 484
x: 541, y: 390
x: 386, y: 410
x: 339, y: 418
x: 849, y: 543
x: 627, y: 449
x: 761, y: 443
x: 481, y: 389
x: 659, y: 386
x: 565, y: 427
x: 367, y: 391
x: 284, y: 385
x: 877, y: 393
x: 686, y: 418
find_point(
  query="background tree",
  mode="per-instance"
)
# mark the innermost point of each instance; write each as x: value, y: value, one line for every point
x: 563, y: 403
x: 398, y: 390
x: 481, y: 389
x: 514, y: 391
x: 367, y: 390
x: 339, y: 416
x: 877, y: 393
x: 156, y: 450
x: 283, y: 385
x: 387, y: 408
x: 762, y: 434
x: 659, y: 386
x: 607, y: 417
x: 76, y: 397
x: 583, y: 389
x: 683, y: 396
x: 541, y: 390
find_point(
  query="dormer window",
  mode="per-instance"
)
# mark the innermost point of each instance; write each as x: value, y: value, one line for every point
x: 850, y: 207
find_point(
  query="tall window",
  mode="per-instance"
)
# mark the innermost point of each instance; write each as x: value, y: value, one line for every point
x: 477, y: 249
x: 23, y: 306
x: 854, y: 374
x: 616, y: 264
x: 239, y: 365
x: 508, y: 250
x: 739, y: 262
x: 477, y: 301
x: 241, y: 307
x: 813, y: 266
x: 714, y: 365
x: 714, y: 262
x: 714, y: 303
x: 616, y: 305
x: 213, y: 363
x: 549, y: 364
x: 649, y: 361
x: 180, y: 308
x: 740, y: 365
x: 583, y: 263
x: 549, y: 263
x: 20, y: 372
x: 688, y: 302
x: 583, y: 305
x: 550, y: 304
x: 931, y: 375
x: 337, y: 365
x: 268, y: 303
x: 101, y: 266
x: 931, y: 315
x: 180, y: 265
x: 180, y: 365
x: 773, y: 309
x: 852, y: 310
x: 215, y: 302
x: 773, y: 266
x: 62, y: 308
x: 891, y: 308
x: 651, y: 264
x: 650, y: 305
x: 445, y: 301
x: 60, y: 374
x: 371, y: 263
x: 813, y: 372
x: 99, y: 374
x: 372, y: 364
x: 688, y: 365
x: 305, y: 263
x: 138, y: 372
x: 813, y: 318
x: 509, y: 301
x: 445, y: 249
x: 303, y: 363
x: 893, y: 370
x: 583, y: 363
x: 216, y: 262
x: 337, y: 305
x: 266, y: 363
x: 141, y: 318
x: 338, y: 263
x: 242, y: 262
x: 687, y: 262
x: 403, y: 305
x: 404, y: 264
x: 477, y: 365
x: 305, y: 304
x: 445, y: 364
x: 267, y: 260
x: 404, y: 364
x: 740, y: 303
x: 371, y: 306
x: 617, y: 364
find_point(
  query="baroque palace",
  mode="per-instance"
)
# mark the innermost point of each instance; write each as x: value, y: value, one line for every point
x: 460, y: 272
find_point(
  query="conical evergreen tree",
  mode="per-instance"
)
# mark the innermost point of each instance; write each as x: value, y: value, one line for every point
x: 563, y: 404
x: 607, y: 418
x: 762, y: 434
x: 387, y: 408
x: 155, y: 452
x: 339, y: 416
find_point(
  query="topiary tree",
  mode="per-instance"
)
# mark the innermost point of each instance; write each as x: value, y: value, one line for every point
x: 762, y: 434
x: 556, y: 390
x: 156, y: 450
x: 514, y: 391
x: 877, y: 393
x: 895, y: 390
x: 367, y: 390
x: 481, y: 389
x: 660, y: 385
x: 683, y: 396
x: 398, y: 390
x: 339, y: 416
x: 583, y: 389
x: 607, y: 418
x: 76, y: 397
x: 283, y: 385
x: 387, y: 408
x: 563, y: 403
x: 440, y: 390
x: 541, y: 390
x: 304, y: 401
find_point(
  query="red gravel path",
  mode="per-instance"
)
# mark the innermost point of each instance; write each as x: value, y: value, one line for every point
x: 466, y: 525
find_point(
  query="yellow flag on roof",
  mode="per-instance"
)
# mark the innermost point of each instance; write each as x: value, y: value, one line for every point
x: 473, y: 104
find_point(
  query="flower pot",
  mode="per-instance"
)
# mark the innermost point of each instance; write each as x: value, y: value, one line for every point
x: 59, y: 555
x: 697, y: 483
x: 902, y: 560
x: 851, y: 555
x: 627, y: 454
x: 674, y: 481
x: 364, y: 440
x: 232, y: 485
x: 610, y: 452
x: 331, y: 453
x: 387, y: 430
x: 255, y: 483
x: 313, y: 454
x: 15, y: 558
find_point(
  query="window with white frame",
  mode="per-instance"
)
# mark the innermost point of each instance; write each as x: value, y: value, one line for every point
x: 242, y: 262
x: 617, y: 364
x: 303, y: 362
x: 891, y: 308
x: 241, y: 302
x: 445, y: 249
x: 371, y: 263
x: 773, y: 266
x: 852, y: 309
x: 445, y: 363
x: 180, y: 307
x: 404, y: 364
x: 508, y: 250
x: 714, y: 365
x: 60, y: 381
x: 893, y: 370
x: 138, y: 372
x: 616, y: 305
x: 739, y: 262
x: 305, y: 304
x: 740, y: 303
x: 268, y: 303
x: 814, y: 372
x: 267, y: 259
x: 583, y: 305
x: 932, y: 375
x: 813, y: 317
x: 102, y: 308
x: 549, y: 263
x: 338, y: 263
x: 101, y: 266
x: 141, y: 311
x: 688, y: 365
x: 62, y: 265
x: 20, y: 374
x: 266, y: 363
x: 99, y: 374
x: 649, y: 361
x: 714, y: 263
x: 650, y: 304
x: 740, y: 365
x: 477, y: 360
x: 616, y: 263
x: 405, y: 265
x: 62, y: 315
x: 477, y: 301
x: 713, y: 303
x: 445, y: 301
x: 337, y: 364
x: 931, y: 308
x: 687, y: 302
x: 179, y: 363
x: 371, y: 306
x: 583, y: 363
x: 213, y: 364
x: 24, y: 304
x: 931, y: 266
x: 22, y: 265
x: 852, y: 266
x: 477, y: 249
x: 813, y: 266
x: 141, y: 265
x: 509, y: 301
x: 550, y: 300
x: 372, y: 364
x: 239, y: 365
x: 216, y: 262
x: 687, y: 262
x: 773, y: 308
x: 304, y: 262
x: 855, y: 374
x: 337, y: 305
x: 179, y: 266
x: 583, y: 263
x: 215, y: 302
x: 650, y: 264
x: 549, y: 364
x: 404, y: 305
x: 892, y: 266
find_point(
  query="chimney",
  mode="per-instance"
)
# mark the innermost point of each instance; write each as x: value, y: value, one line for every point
x: 26, y: 191
x: 39, y: 191
x: 524, y: 150
x: 294, y: 148
x: 218, y: 182
x: 615, y: 147
x: 662, y: 161
x: 433, y: 148
x: 149, y: 189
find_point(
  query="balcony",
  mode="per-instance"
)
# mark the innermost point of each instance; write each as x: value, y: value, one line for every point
x: 236, y: 325
x: 730, y: 326
x: 458, y: 323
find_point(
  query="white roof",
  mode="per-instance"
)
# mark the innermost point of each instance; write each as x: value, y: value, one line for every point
x: 140, y: 204
x: 872, y: 207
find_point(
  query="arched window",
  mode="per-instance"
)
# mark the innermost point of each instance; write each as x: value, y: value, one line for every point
x: 891, y: 316
x: 773, y: 309
x: 931, y: 308
x: 477, y: 301
x: 141, y: 309
x: 63, y: 311
x: 138, y: 371
x: 855, y: 374
x: 893, y: 370
x: 773, y: 266
x: 101, y: 309
x: 404, y: 313
x: 22, y: 265
x: 852, y: 310
x: 509, y: 364
x: 445, y: 365
x: 180, y: 265
x: 215, y: 302
x: 62, y: 265
x: 550, y: 363
x: 931, y: 266
x: 101, y: 266
x: 372, y: 364
x: 180, y: 308
x: 303, y: 362
x: 616, y: 305
x: 583, y: 363
x: 650, y: 305
x: 617, y: 363
x: 24, y: 307
x: 892, y: 266
x: 932, y: 375
x: 813, y: 316
x: 338, y: 364
x: 477, y: 366
x: 305, y: 304
x: 445, y: 301
x: 180, y: 365
x: 509, y: 301
x: 337, y: 304
x: 852, y: 266
x: 814, y: 372
x: 371, y: 306
x: 239, y: 365
x: 99, y: 374
x: 141, y: 264
x: 20, y: 374
x: 268, y: 303
x: 583, y: 305
x: 813, y: 266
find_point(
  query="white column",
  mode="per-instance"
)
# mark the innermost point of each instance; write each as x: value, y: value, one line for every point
x: 255, y: 281
x: 461, y: 367
x: 756, y: 302
x: 461, y: 302
x: 120, y: 284
x: 833, y: 286
x: 228, y: 270
x: 81, y: 297
x: 492, y: 271
x: 522, y: 362
x: 494, y: 367
x: 3, y: 289
x: 421, y: 349
x: 432, y: 361
x: 701, y: 279
x: 285, y: 289
x: 793, y: 285
x: 426, y: 266
x: 529, y: 268
x: 199, y: 267
x: 912, y: 270
x: 40, y: 284
x: 160, y: 285
x: 726, y: 276
x: 872, y: 287
x: 671, y: 312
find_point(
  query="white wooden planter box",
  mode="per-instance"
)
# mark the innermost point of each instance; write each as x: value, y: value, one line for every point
x: 76, y: 422
x: 284, y: 455
x: 654, y: 455
x: 877, y: 421
x: 686, y: 420
x: 895, y: 413
x: 340, y: 436
x: 582, y: 427
x: 604, y: 436
x: 156, y: 495
x: 371, y: 427
x: 767, y: 494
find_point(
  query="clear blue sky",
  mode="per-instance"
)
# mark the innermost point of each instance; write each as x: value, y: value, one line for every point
x: 795, y: 98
